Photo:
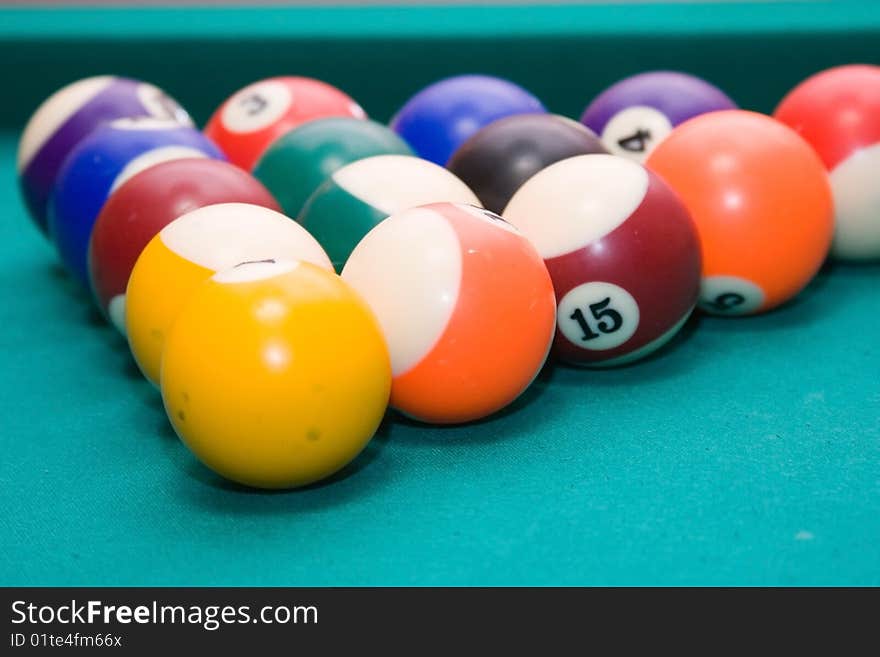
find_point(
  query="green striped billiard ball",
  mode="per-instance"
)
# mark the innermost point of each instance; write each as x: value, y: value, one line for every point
x: 296, y: 164
x: 361, y: 194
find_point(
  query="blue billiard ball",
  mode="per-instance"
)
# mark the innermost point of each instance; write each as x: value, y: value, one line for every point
x: 442, y: 116
x: 101, y: 162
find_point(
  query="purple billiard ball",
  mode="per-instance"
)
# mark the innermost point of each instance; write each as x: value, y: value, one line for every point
x: 71, y: 114
x: 634, y: 115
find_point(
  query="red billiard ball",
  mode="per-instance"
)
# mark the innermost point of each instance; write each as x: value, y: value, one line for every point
x: 838, y: 112
x: 622, y: 252
x: 253, y: 118
x: 148, y: 202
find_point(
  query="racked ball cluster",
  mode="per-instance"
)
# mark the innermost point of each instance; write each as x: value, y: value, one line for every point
x: 144, y: 209
x: 217, y: 252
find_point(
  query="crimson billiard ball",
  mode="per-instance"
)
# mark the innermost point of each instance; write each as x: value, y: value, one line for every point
x: 622, y: 251
x: 148, y: 202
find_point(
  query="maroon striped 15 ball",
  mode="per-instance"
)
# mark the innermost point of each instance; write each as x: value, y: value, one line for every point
x: 622, y: 251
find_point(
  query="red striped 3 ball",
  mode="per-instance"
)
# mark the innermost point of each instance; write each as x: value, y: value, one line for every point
x: 250, y: 121
x: 622, y: 251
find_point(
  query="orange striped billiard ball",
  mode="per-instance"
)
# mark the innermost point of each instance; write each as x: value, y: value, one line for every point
x: 466, y: 306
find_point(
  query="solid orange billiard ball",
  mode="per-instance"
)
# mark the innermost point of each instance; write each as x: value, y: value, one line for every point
x: 761, y: 201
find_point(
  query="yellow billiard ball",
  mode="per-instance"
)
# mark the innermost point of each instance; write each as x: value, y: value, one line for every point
x: 187, y: 252
x: 275, y: 374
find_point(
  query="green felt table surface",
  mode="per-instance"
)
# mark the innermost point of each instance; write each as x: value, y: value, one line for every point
x: 746, y: 453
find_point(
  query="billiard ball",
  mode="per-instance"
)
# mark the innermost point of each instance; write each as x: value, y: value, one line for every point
x: 361, y: 194
x: 190, y: 250
x: 838, y: 112
x: 637, y: 113
x: 498, y: 159
x: 295, y: 165
x: 148, y: 202
x: 441, y: 117
x: 276, y: 374
x: 251, y: 119
x: 70, y: 114
x: 622, y: 251
x: 104, y: 160
x: 761, y: 201
x: 465, y: 304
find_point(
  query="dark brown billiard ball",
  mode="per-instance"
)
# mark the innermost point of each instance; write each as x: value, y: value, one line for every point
x: 498, y: 159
